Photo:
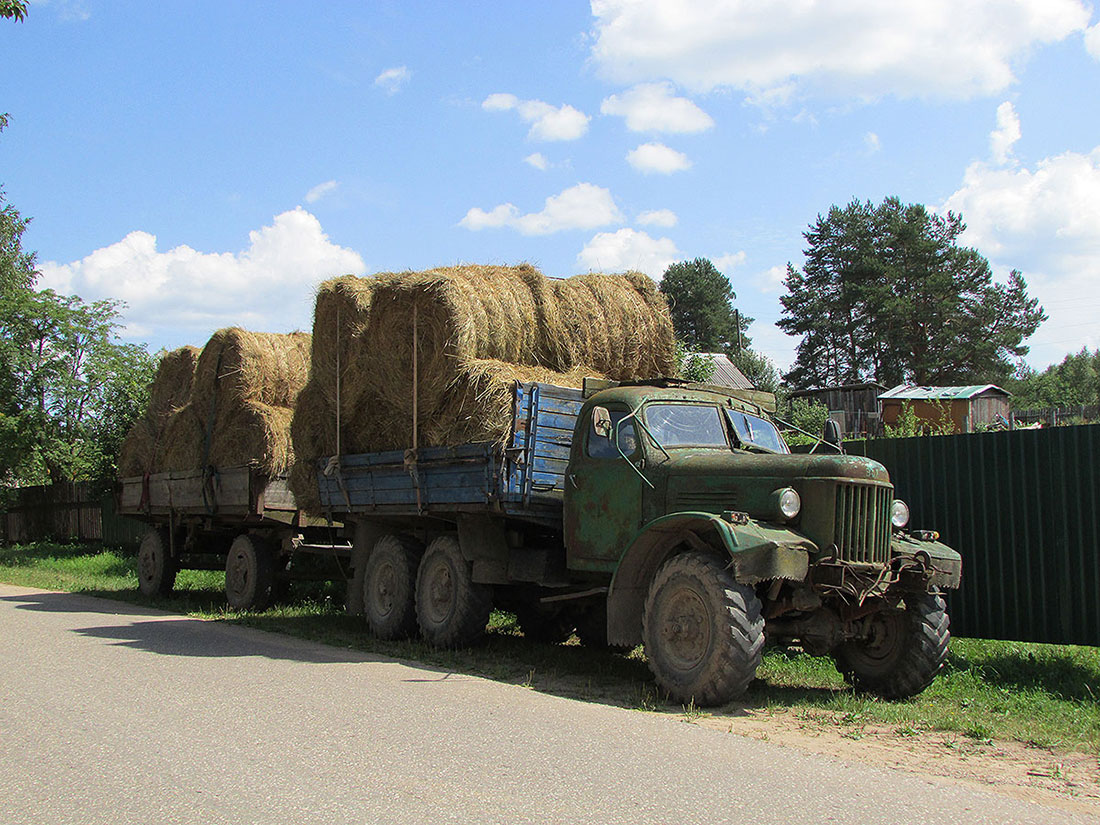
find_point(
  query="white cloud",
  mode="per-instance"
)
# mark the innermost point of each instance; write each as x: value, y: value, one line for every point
x: 584, y: 206
x: 774, y: 52
x: 658, y: 217
x: 1004, y: 137
x: 1092, y: 41
x: 872, y: 142
x: 629, y: 249
x: 771, y: 280
x: 728, y: 262
x: 657, y: 158
x: 267, y: 286
x: 320, y: 190
x: 1045, y: 222
x: 393, y: 80
x: 547, y: 122
x: 537, y: 160
x: 652, y: 107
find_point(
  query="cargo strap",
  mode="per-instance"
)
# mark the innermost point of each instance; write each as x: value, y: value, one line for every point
x: 333, y: 469
x: 413, y: 470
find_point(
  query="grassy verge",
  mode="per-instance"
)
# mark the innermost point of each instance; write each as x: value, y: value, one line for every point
x: 1043, y: 695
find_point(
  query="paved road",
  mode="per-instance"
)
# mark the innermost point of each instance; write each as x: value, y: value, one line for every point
x: 115, y: 714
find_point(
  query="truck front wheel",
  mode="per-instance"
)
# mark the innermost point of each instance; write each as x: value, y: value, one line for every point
x: 249, y: 574
x: 451, y: 609
x: 156, y: 567
x: 903, y: 649
x: 389, y: 585
x: 703, y: 631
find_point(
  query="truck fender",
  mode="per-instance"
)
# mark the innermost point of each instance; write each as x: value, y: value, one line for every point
x: 757, y: 553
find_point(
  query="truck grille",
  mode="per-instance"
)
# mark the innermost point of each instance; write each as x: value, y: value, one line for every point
x: 863, y: 523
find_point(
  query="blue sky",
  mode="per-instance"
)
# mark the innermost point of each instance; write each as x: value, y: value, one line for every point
x: 210, y: 163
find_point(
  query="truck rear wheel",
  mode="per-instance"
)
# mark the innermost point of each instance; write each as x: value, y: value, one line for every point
x: 156, y: 567
x: 451, y: 609
x: 249, y: 573
x: 904, y: 649
x: 703, y: 631
x: 389, y: 587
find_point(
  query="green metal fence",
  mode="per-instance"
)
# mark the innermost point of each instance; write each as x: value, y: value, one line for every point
x: 1023, y: 508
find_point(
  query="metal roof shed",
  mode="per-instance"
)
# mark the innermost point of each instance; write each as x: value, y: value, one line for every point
x: 968, y: 407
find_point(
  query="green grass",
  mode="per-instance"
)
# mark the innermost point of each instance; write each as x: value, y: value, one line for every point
x: 1043, y: 695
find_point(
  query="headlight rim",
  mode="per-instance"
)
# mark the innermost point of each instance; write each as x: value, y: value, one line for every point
x: 899, y: 514
x: 788, y: 503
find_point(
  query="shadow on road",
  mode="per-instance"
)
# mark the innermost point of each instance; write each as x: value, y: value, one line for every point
x: 565, y: 670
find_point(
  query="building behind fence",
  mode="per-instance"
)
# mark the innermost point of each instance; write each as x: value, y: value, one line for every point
x: 67, y: 513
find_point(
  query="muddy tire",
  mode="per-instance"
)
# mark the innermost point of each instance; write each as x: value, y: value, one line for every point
x: 451, y: 609
x: 905, y: 651
x: 389, y: 587
x: 542, y: 624
x: 249, y: 574
x: 156, y: 567
x: 703, y: 632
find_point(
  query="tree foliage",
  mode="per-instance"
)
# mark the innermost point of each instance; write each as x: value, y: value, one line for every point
x: 13, y: 9
x: 1073, y: 382
x: 700, y: 300
x: 887, y: 295
x: 69, y: 389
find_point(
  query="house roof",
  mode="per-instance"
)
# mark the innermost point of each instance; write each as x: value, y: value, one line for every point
x: 725, y: 373
x: 916, y: 393
x: 869, y: 385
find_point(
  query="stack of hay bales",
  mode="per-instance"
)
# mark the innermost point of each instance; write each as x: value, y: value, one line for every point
x: 143, y: 448
x: 479, y: 329
x: 339, y: 323
x: 236, y: 407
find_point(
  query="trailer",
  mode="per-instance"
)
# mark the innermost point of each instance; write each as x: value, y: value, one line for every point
x: 232, y: 518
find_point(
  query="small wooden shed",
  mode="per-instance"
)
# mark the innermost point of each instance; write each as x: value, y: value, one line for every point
x: 968, y: 407
x: 854, y: 407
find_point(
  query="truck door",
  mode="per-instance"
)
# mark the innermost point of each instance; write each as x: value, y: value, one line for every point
x: 603, y: 495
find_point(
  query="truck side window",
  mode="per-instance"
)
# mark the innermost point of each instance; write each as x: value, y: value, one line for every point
x: 599, y: 447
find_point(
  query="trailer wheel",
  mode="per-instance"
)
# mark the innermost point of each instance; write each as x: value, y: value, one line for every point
x: 156, y: 567
x: 249, y: 574
x: 703, y: 632
x: 451, y: 609
x: 389, y: 587
x: 903, y: 652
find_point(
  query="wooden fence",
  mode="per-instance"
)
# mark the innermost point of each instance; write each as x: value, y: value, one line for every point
x: 1054, y: 416
x: 66, y: 513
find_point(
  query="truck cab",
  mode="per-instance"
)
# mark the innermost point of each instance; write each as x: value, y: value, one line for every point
x: 713, y: 533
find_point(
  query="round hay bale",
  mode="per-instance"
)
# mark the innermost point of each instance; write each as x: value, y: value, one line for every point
x: 171, y: 389
x: 183, y: 444
x: 255, y: 434
x: 261, y: 367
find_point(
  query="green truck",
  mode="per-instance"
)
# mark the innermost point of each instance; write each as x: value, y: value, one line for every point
x: 661, y: 513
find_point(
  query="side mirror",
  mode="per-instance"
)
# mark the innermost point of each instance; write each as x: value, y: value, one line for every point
x: 601, y: 422
x: 832, y: 433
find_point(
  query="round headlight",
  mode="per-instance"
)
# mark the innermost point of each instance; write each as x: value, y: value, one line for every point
x: 899, y: 513
x: 789, y: 503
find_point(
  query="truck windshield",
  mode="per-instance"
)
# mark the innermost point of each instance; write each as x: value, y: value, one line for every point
x: 686, y: 425
x: 756, y: 432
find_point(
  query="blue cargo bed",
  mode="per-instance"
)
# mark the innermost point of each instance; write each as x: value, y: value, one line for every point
x: 523, y: 477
